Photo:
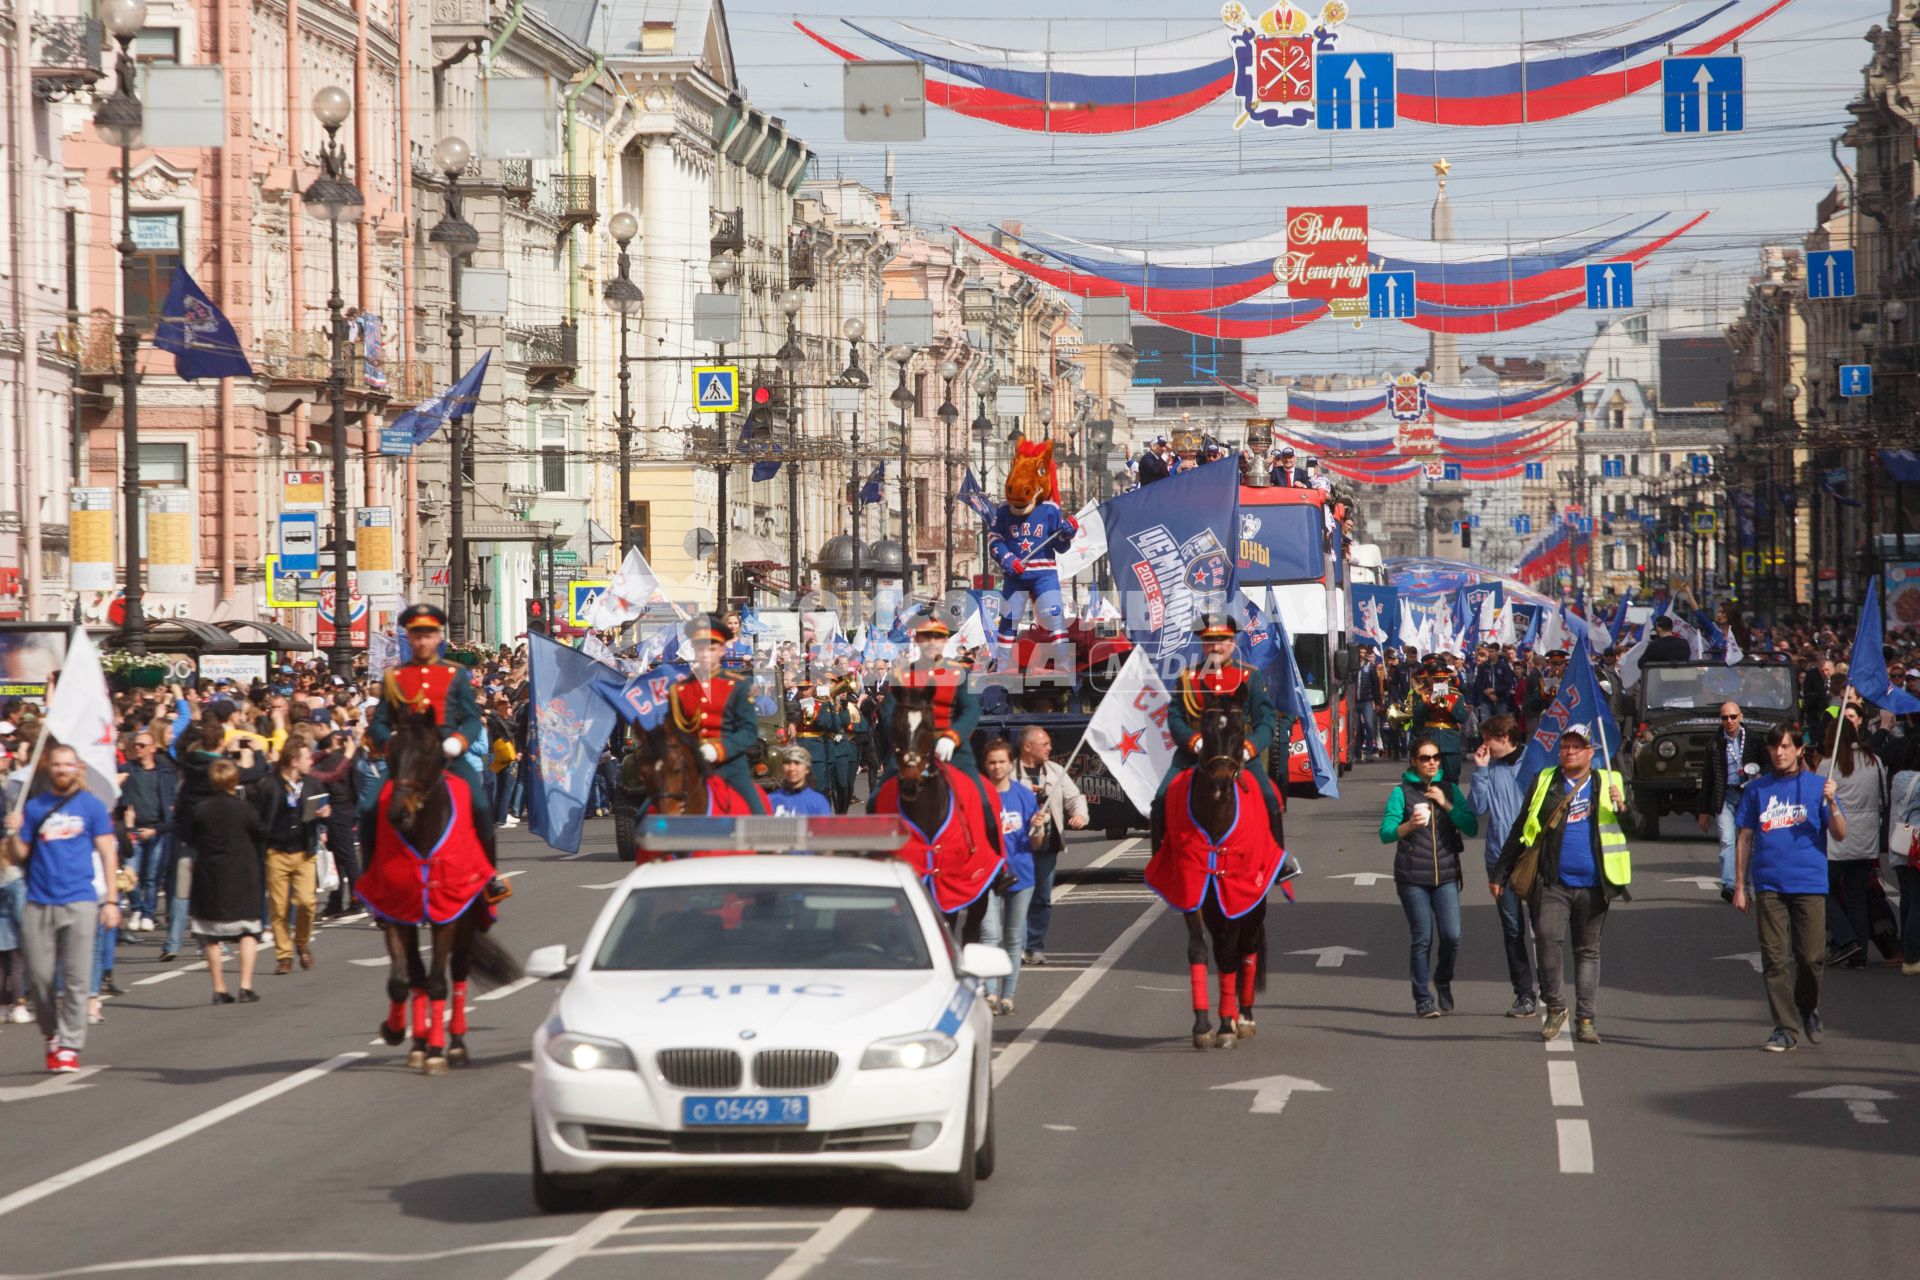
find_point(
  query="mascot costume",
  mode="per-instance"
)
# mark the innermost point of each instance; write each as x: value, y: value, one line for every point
x: 1028, y: 529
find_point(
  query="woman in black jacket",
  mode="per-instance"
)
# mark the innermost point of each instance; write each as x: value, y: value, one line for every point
x: 229, y: 842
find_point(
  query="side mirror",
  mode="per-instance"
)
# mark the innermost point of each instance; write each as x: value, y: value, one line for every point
x: 978, y: 960
x: 547, y: 962
x: 1342, y: 664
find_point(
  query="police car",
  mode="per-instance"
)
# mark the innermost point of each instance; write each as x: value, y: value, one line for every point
x: 765, y: 1011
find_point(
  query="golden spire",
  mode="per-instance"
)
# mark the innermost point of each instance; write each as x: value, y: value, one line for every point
x: 1441, y: 168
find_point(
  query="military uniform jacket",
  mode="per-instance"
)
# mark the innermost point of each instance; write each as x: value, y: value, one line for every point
x: 1195, y: 687
x: 443, y: 687
x: 956, y: 708
x: 718, y: 710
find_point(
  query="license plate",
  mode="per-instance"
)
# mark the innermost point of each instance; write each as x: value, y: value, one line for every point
x: 783, y: 1109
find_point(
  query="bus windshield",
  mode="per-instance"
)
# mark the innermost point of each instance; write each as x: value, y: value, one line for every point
x: 1281, y: 544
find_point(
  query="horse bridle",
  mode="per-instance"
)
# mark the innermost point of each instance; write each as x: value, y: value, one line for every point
x: 1237, y: 760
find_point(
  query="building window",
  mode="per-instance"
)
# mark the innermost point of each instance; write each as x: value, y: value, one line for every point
x: 1613, y: 556
x: 553, y: 452
x: 640, y: 520
x: 1618, y: 420
x: 920, y: 503
x: 162, y: 466
x: 1666, y: 463
x: 157, y: 44
x: 1633, y: 465
x: 156, y: 252
x: 1637, y: 330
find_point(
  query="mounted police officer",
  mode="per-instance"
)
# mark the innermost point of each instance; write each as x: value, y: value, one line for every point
x: 1217, y: 674
x: 427, y: 681
x: 956, y: 708
x: 716, y: 705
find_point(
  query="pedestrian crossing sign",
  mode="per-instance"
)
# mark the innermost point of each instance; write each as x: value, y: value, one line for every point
x: 716, y: 388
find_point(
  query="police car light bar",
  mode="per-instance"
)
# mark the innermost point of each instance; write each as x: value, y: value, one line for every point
x: 855, y: 833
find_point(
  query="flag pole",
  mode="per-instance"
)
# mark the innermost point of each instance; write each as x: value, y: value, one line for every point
x: 33, y: 764
x: 1846, y: 697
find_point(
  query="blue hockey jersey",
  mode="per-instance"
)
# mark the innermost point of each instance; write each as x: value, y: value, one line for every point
x: 1032, y: 539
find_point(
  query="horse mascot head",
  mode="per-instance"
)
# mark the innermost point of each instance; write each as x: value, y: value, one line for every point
x: 1029, y: 530
x: 1032, y: 477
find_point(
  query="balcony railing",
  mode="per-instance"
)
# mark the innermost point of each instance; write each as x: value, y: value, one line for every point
x: 516, y: 179
x: 569, y: 199
x: 731, y: 237
x: 800, y: 269
x: 66, y: 56
x: 550, y: 352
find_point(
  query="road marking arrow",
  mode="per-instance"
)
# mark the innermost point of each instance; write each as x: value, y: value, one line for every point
x: 63, y: 1083
x: 1860, y: 1100
x: 1751, y: 957
x: 1270, y: 1093
x: 1699, y: 882
x: 1328, y: 957
x: 1365, y: 879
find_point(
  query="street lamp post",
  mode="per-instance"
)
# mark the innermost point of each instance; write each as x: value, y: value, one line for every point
x: 456, y: 238
x: 119, y: 120
x: 792, y: 358
x: 334, y: 196
x: 724, y: 269
x: 948, y: 412
x: 982, y: 430
x: 902, y: 398
x: 855, y: 378
x: 625, y: 298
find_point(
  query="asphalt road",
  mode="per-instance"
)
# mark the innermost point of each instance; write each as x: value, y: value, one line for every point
x: 1349, y: 1139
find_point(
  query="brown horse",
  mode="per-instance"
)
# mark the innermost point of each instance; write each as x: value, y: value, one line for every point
x: 459, y: 858
x: 1238, y: 943
x: 666, y: 767
x: 923, y: 793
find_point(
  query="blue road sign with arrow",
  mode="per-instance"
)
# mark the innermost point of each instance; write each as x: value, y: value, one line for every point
x: 1390, y: 295
x: 1856, y: 379
x: 1830, y: 273
x: 1703, y: 95
x: 1353, y: 91
x: 1609, y: 285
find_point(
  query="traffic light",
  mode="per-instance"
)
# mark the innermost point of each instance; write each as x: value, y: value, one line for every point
x: 760, y: 405
x: 536, y: 618
x: 1466, y: 534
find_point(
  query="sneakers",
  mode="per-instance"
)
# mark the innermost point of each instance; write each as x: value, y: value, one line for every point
x: 1911, y: 968
x: 248, y: 996
x: 1524, y: 1007
x: 1446, y: 998
x: 510, y: 822
x: 1426, y: 1009
x: 1584, y: 1032
x: 1842, y: 955
x: 1556, y: 1019
x: 20, y: 1014
x: 1036, y: 956
x: 62, y: 1061
x: 1813, y: 1026
x: 1780, y: 1041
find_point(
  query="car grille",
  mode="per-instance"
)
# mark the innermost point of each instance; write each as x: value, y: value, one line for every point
x: 762, y: 1142
x: 794, y: 1068
x: 700, y: 1068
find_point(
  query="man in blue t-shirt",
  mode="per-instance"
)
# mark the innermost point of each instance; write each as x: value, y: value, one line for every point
x: 1783, y: 821
x: 794, y: 797
x: 63, y: 835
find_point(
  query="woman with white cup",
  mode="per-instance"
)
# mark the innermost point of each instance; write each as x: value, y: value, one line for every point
x: 1427, y: 821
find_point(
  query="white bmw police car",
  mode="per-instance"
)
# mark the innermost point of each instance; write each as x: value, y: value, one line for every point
x: 764, y: 1011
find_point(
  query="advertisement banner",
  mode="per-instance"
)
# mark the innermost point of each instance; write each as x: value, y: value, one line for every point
x: 90, y: 529
x: 357, y: 628
x: 241, y: 668
x: 373, y: 550
x: 1903, y: 595
x: 304, y: 491
x: 1327, y: 256
x: 170, y: 541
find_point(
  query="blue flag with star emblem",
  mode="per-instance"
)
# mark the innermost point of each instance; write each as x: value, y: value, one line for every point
x: 1173, y: 551
x: 571, y: 720
x: 201, y: 338
x: 643, y: 700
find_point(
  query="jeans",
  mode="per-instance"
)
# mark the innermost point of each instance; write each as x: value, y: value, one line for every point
x: 106, y: 944
x: 1369, y: 727
x: 1431, y: 909
x: 1727, y: 862
x: 1040, y: 910
x: 1008, y: 910
x: 58, y: 942
x: 179, y: 899
x: 1513, y: 932
x: 1796, y: 924
x: 1847, y: 891
x: 1562, y: 914
x: 151, y: 859
x: 1909, y: 911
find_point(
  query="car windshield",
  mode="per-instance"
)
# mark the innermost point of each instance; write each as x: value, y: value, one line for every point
x: 765, y: 926
x: 1767, y: 688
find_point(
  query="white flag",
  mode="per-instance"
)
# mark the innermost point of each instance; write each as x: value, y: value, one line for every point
x: 1489, y: 619
x: 1734, y: 655
x: 80, y: 715
x: 626, y: 596
x: 1130, y: 730
x: 1630, y: 662
x: 971, y: 635
x: 1087, y: 547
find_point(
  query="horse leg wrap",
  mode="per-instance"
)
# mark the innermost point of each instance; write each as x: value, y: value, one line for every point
x: 396, y: 1018
x: 419, y: 1016
x: 437, y: 1036
x: 1199, y: 976
x: 1229, y: 1003
x: 1249, y: 976
x: 459, y: 1023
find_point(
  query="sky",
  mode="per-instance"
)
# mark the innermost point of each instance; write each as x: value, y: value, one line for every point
x: 1197, y: 181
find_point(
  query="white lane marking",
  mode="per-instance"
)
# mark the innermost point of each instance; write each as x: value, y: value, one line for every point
x: 1862, y: 1100
x: 666, y: 1228
x: 1270, y: 1093
x: 264, y: 1259
x: 1560, y: 1044
x: 1062, y: 1128
x: 1328, y: 957
x: 167, y: 1137
x: 501, y: 993
x: 817, y: 1250
x: 611, y: 884
x: 574, y: 857
x: 375, y: 963
x: 1065, y: 891
x: 54, y: 1085
x: 1751, y: 957
x: 508, y: 875
x: 697, y: 1246
x: 596, y: 1231
x: 1563, y: 1083
x: 170, y: 974
x: 1144, y: 987
x: 1364, y: 879
x: 1576, y: 1146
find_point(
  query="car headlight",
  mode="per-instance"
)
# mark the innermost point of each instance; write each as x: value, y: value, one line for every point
x: 588, y: 1053
x: 1668, y: 748
x: 921, y: 1049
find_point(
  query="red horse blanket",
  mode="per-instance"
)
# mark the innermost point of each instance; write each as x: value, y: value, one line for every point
x: 425, y: 886
x: 958, y: 861
x: 722, y: 802
x: 1239, y: 867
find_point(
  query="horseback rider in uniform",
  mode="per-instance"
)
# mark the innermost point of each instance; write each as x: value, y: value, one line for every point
x: 1218, y: 674
x: 956, y: 708
x: 716, y: 705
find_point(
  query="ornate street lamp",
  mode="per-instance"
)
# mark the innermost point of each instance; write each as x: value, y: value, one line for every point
x: 454, y: 236
x: 119, y: 120
x: 948, y: 414
x: 792, y: 358
x: 624, y: 298
x: 334, y: 196
x: 854, y: 378
x: 902, y: 398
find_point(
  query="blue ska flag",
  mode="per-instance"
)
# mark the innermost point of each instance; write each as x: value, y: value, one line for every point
x: 1376, y: 614
x: 571, y: 720
x: 1289, y: 693
x: 643, y: 700
x: 455, y: 402
x: 1578, y: 702
x: 202, y: 341
x: 870, y: 491
x: 1867, y: 672
x: 975, y: 498
x: 1172, y: 549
